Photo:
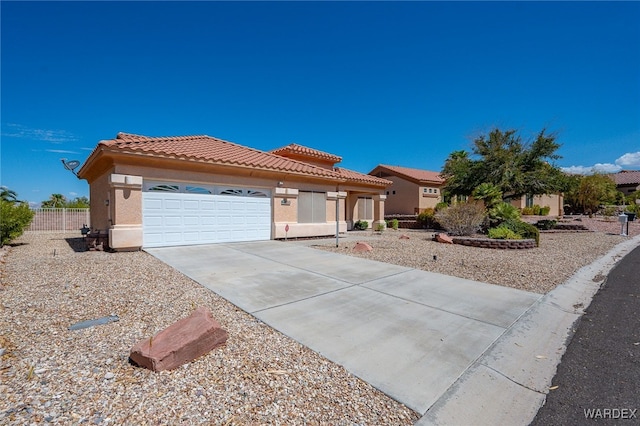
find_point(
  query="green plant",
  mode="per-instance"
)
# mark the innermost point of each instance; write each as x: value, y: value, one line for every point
x: 526, y: 230
x: 632, y: 208
x: 380, y: 227
x: 393, y: 224
x: 489, y: 193
x: 527, y: 211
x: 427, y: 218
x: 14, y: 219
x: 536, y: 210
x: 544, y: 211
x: 361, y: 225
x: 441, y: 205
x: 503, y: 233
x: 501, y: 212
x: 608, y: 212
x: 461, y: 218
x: 546, y: 224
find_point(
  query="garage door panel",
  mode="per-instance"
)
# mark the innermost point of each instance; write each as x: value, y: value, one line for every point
x: 185, y: 219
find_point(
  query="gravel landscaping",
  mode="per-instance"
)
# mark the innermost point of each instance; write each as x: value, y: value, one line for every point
x: 51, y: 374
x: 539, y: 269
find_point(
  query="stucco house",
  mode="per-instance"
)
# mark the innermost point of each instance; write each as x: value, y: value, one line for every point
x: 166, y: 191
x: 411, y: 190
x: 414, y: 190
x: 627, y: 181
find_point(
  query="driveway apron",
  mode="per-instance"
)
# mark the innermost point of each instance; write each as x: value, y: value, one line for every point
x: 409, y: 333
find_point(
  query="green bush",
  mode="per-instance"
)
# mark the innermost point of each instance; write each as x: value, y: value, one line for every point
x: 393, y: 223
x: 546, y: 224
x: 503, y: 233
x: 14, y: 219
x: 536, y: 210
x: 427, y: 218
x: 526, y: 230
x: 361, y: 225
x: 544, y: 211
x: 441, y: 205
x: 632, y: 208
x: 527, y: 211
x: 461, y: 218
x: 380, y: 227
x: 501, y: 212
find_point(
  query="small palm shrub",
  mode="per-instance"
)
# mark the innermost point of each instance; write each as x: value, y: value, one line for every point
x: 462, y: 218
x: 503, y: 233
x: 361, y: 225
x: 501, y: 212
x: 525, y: 230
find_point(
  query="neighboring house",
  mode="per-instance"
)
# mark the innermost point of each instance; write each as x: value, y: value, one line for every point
x: 627, y: 181
x: 166, y: 191
x: 412, y: 190
x: 555, y: 202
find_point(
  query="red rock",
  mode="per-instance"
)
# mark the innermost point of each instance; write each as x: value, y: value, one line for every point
x: 181, y: 342
x: 444, y: 238
x: 404, y: 237
x: 360, y: 246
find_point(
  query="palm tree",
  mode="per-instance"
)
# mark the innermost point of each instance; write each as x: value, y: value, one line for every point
x: 56, y: 201
x: 8, y: 195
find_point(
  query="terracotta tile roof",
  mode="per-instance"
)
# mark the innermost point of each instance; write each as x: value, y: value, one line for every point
x: 361, y: 177
x: 214, y: 150
x: 294, y: 148
x: 413, y: 174
x: 218, y: 151
x: 626, y: 177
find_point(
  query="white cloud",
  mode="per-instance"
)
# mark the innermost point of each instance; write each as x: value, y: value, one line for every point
x: 54, y: 136
x: 61, y: 151
x: 630, y: 159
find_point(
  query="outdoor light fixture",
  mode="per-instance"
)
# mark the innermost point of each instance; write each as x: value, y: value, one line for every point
x: 70, y: 165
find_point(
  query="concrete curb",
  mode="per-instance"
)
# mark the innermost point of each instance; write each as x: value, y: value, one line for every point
x: 509, y: 382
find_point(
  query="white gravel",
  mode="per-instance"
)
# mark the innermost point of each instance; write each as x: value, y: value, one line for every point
x: 51, y: 374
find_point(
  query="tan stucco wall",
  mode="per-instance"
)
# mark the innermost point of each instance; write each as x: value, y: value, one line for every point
x: 554, y: 201
x: 408, y: 197
x: 99, y: 192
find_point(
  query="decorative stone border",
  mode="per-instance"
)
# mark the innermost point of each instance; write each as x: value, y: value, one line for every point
x: 495, y: 243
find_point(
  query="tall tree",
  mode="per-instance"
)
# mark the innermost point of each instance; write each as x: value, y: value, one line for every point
x: 8, y: 195
x: 55, y: 201
x: 503, y: 159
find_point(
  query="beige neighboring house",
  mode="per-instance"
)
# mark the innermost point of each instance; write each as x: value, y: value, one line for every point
x: 168, y: 191
x: 627, y: 181
x: 414, y: 190
x: 411, y: 191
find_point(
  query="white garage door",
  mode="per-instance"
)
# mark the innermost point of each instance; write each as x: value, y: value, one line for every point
x: 182, y: 214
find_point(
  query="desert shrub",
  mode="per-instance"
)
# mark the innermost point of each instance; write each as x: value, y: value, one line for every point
x: 501, y: 212
x: 525, y: 230
x: 441, y: 205
x: 632, y: 208
x: 527, y: 211
x: 461, y: 218
x: 503, y: 233
x: 608, y: 212
x: 393, y: 223
x: 544, y: 211
x: 427, y: 218
x: 546, y: 224
x: 361, y: 225
x: 14, y: 219
x: 536, y: 210
x: 380, y: 227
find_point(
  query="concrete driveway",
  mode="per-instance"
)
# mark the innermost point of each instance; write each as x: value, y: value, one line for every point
x: 409, y: 333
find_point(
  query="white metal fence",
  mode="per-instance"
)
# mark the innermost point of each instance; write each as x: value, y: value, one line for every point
x: 59, y: 220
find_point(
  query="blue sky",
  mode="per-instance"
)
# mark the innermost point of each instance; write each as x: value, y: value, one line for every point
x: 374, y: 82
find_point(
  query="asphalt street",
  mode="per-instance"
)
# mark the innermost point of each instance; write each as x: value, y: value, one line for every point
x: 598, y: 379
